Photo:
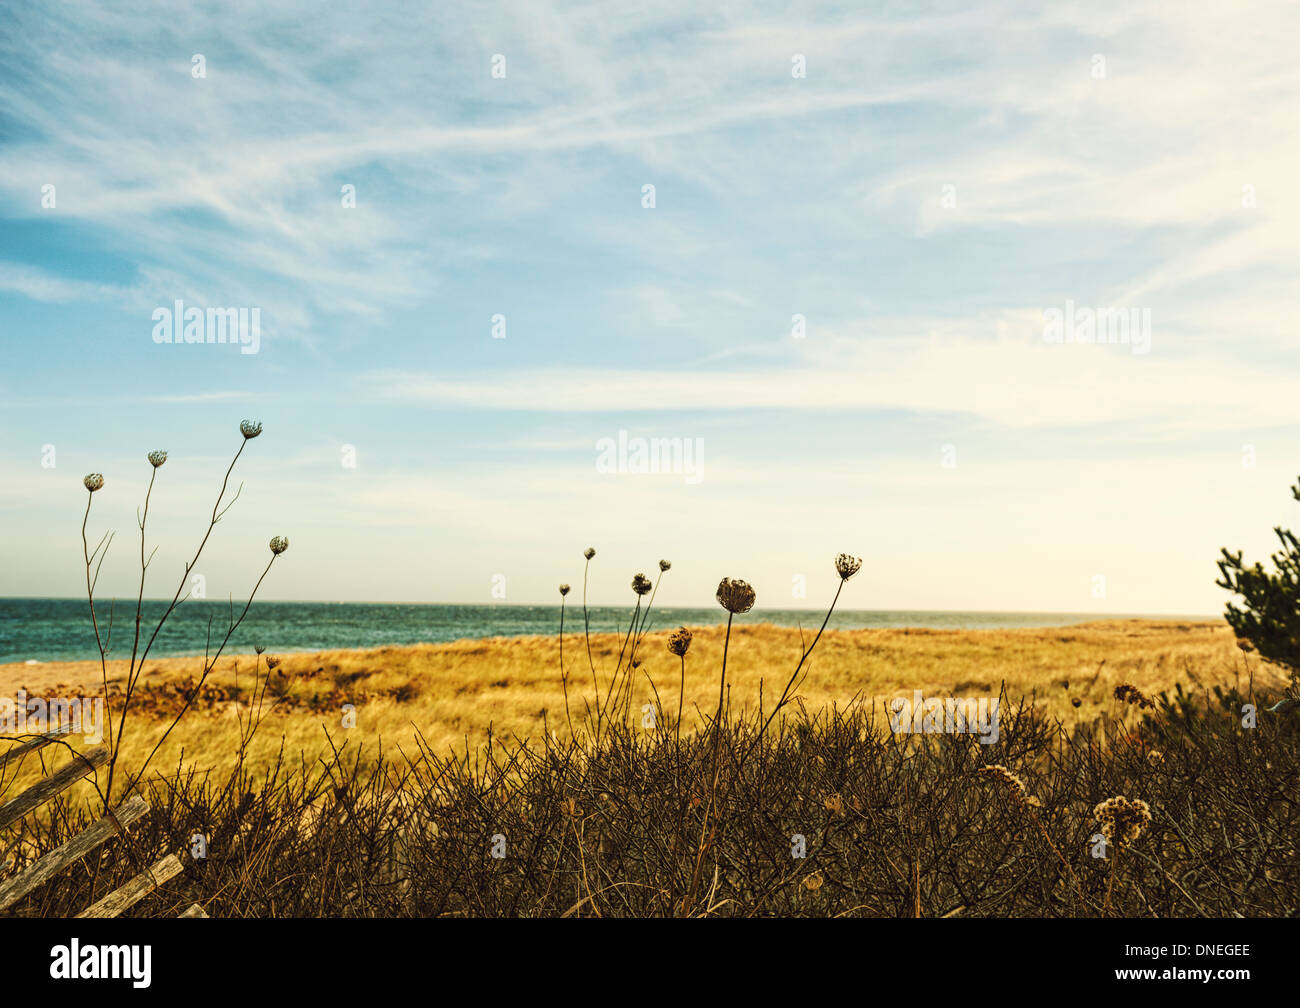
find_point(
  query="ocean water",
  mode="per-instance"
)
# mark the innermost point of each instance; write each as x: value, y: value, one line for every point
x: 39, y: 630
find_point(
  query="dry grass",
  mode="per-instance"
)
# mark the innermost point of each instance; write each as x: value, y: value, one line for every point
x: 452, y: 694
x: 835, y: 816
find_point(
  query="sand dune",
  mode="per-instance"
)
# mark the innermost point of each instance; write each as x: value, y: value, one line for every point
x: 450, y: 693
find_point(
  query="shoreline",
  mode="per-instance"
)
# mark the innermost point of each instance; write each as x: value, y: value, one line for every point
x: 1100, y: 621
x: 450, y: 695
x: 58, y: 630
x: 706, y: 604
x: 87, y: 672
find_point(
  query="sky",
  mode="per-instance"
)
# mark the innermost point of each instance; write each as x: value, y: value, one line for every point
x: 855, y: 300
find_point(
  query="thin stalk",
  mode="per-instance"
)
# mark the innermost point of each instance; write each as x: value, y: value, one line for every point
x: 681, y: 696
x: 208, y: 667
x: 90, y: 595
x: 713, y: 785
x: 586, y: 630
x: 786, y: 692
x: 564, y: 680
x: 1110, y: 882
x: 640, y: 635
x: 144, y: 566
x: 609, y: 693
x: 133, y: 675
x: 1061, y: 857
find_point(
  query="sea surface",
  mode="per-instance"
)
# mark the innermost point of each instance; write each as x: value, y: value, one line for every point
x: 41, y: 630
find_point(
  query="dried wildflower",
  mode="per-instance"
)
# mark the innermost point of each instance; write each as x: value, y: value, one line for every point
x: 664, y: 565
x: 641, y: 584
x: 846, y: 566
x: 564, y: 590
x: 679, y: 643
x: 1133, y: 695
x: 272, y: 661
x: 1122, y: 819
x: 156, y: 458
x: 813, y: 882
x: 1246, y: 644
x: 279, y: 544
x: 589, y: 552
x: 259, y: 648
x: 93, y: 482
x: 735, y: 596
x: 1013, y: 784
x: 250, y: 428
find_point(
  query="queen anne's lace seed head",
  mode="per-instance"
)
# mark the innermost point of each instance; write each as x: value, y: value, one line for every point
x: 589, y: 552
x: 664, y: 565
x: 93, y: 482
x: 680, y: 642
x: 156, y: 458
x: 735, y: 596
x: 1122, y: 819
x: 564, y: 589
x: 1133, y: 695
x: 279, y: 544
x: 641, y: 584
x: 846, y: 566
x: 250, y: 428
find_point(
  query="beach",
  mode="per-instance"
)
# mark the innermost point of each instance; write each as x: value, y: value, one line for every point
x: 452, y: 694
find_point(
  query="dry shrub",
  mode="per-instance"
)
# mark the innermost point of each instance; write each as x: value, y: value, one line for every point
x: 892, y: 825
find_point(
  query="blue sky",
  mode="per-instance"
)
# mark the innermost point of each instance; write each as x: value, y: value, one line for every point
x: 937, y: 181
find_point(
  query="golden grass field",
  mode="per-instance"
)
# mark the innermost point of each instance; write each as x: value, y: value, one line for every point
x: 453, y: 693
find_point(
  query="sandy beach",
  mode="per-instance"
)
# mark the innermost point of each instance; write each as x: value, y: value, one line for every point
x: 452, y: 693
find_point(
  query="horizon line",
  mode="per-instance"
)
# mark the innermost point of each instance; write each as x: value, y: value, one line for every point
x: 596, y: 605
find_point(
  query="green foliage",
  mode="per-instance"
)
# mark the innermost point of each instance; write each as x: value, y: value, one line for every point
x: 1270, y: 616
x: 1185, y: 710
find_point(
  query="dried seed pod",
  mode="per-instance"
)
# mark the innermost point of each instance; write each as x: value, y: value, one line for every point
x: 846, y: 566
x: 735, y: 596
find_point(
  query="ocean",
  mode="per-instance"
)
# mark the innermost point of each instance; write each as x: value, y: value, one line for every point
x: 40, y: 630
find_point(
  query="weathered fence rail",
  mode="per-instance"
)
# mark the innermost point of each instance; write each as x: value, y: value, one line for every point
x: 90, y: 839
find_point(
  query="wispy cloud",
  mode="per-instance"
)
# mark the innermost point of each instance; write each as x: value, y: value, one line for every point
x: 41, y: 285
x: 935, y: 182
x: 1018, y: 383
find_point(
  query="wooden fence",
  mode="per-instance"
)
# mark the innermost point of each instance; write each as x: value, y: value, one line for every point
x: 113, y: 824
